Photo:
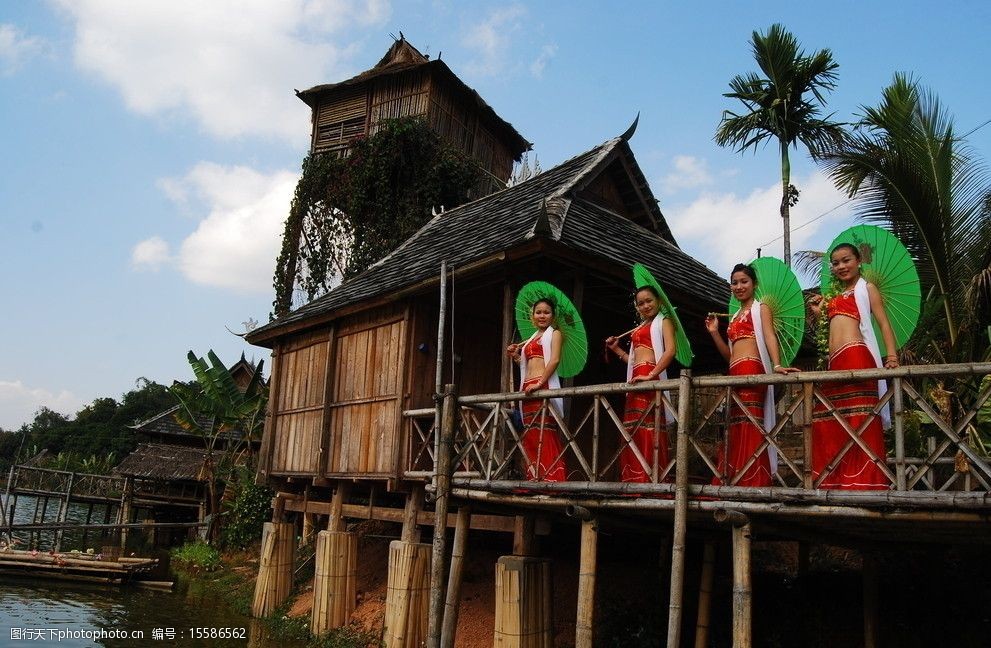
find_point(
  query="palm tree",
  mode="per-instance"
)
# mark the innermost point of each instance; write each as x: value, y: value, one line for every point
x: 784, y: 104
x: 911, y: 174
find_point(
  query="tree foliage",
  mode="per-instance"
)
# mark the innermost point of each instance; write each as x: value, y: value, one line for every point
x: 911, y: 174
x: 784, y: 104
x: 348, y: 212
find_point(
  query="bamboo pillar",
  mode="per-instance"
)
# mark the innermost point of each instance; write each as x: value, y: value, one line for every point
x: 742, y: 588
x: 8, y: 515
x: 335, y: 580
x: 336, y: 520
x: 808, y: 410
x: 585, y: 623
x: 124, y: 512
x: 407, y: 595
x: 442, y: 500
x: 870, y: 576
x: 523, y: 614
x: 897, y: 415
x: 680, y: 511
x: 63, y: 511
x: 414, y: 503
x: 453, y: 603
x: 705, y: 595
x: 275, y: 568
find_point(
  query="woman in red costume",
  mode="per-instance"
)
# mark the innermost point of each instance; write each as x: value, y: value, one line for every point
x: 538, y: 358
x: 651, y: 351
x: 752, y: 350
x: 852, y: 345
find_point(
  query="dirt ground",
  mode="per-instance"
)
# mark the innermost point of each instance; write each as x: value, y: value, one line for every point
x: 929, y: 595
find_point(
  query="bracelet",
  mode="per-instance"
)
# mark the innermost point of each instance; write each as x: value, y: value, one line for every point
x: 777, y: 366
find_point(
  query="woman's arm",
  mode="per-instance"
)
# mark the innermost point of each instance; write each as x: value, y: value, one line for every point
x: 877, y: 309
x: 712, y: 325
x: 771, y: 341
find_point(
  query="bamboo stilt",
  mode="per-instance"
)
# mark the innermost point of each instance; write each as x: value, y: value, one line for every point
x: 275, y: 568
x: 453, y: 603
x: 442, y: 490
x: 705, y: 595
x: 335, y: 580
x: 585, y: 623
x: 407, y: 595
x: 742, y: 587
x: 680, y: 512
x: 523, y: 614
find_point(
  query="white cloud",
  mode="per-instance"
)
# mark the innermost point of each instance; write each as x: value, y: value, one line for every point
x: 16, y: 48
x: 689, y: 172
x: 724, y: 229
x: 230, y: 64
x: 19, y: 403
x: 490, y: 39
x: 235, y: 245
x: 547, y: 52
x: 150, y: 254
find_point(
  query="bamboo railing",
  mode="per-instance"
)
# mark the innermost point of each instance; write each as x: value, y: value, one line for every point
x: 936, y: 457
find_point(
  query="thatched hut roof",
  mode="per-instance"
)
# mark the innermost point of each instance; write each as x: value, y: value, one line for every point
x: 165, y: 462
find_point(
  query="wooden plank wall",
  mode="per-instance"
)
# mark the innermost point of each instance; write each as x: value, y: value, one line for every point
x: 299, y: 403
x: 402, y: 95
x: 339, y: 120
x: 370, y: 359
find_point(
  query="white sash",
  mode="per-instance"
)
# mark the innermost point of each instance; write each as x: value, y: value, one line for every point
x: 553, y: 382
x: 656, y: 341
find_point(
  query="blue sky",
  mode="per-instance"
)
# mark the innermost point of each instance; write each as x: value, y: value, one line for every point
x: 150, y: 149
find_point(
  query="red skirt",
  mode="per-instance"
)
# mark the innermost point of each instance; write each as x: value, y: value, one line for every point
x: 638, y: 417
x: 743, y: 436
x: 854, y: 401
x: 541, y: 444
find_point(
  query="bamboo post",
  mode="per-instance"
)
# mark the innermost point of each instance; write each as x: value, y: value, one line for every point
x: 451, y: 607
x: 406, y: 598
x: 335, y: 580
x: 523, y: 614
x: 336, y: 520
x: 124, y: 512
x: 742, y: 588
x: 585, y: 624
x: 414, y: 504
x: 870, y: 576
x: 523, y: 536
x: 808, y: 410
x: 8, y: 515
x: 705, y: 595
x: 680, y: 511
x: 275, y: 568
x: 63, y: 511
x: 900, y: 482
x: 442, y: 494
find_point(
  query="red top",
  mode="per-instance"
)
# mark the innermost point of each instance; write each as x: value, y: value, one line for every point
x: 534, y: 349
x: 641, y: 336
x: 843, y: 304
x: 741, y: 327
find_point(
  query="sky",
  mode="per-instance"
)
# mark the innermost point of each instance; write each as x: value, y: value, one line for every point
x: 149, y: 150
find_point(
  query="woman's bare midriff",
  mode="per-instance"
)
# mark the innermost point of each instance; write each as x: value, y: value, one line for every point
x: 643, y: 354
x: 534, y: 367
x: 745, y: 348
x: 843, y: 330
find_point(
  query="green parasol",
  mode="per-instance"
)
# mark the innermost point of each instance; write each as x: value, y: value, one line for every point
x: 887, y: 264
x: 683, y: 350
x: 777, y: 286
x: 574, y: 349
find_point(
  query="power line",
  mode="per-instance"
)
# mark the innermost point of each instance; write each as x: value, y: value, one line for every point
x: 810, y: 221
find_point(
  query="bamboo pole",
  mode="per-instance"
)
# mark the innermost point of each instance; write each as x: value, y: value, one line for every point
x: 585, y: 623
x: 414, y: 504
x: 63, y: 511
x: 8, y: 521
x: 742, y: 587
x: 680, y: 511
x: 705, y: 595
x: 453, y: 603
x: 334, y: 580
x: 898, y: 416
x: 441, y: 503
x: 808, y: 411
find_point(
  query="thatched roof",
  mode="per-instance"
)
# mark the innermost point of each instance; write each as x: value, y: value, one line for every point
x: 553, y: 205
x: 403, y: 57
x: 165, y: 462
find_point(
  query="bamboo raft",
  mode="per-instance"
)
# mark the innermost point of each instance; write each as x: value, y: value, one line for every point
x: 74, y: 566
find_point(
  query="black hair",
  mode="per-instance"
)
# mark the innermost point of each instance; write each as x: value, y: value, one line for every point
x: 544, y: 300
x: 745, y: 269
x: 648, y: 288
x: 850, y: 246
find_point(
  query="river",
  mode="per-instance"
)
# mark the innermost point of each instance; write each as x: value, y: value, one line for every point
x: 33, y: 610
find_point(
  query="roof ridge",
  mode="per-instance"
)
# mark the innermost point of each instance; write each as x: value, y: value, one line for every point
x: 606, y: 148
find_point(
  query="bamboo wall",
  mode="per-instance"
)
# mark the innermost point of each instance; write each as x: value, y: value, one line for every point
x: 298, y: 391
x: 370, y: 352
x: 339, y: 119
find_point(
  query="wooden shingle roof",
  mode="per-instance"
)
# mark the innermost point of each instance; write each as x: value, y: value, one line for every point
x: 165, y: 462
x: 548, y: 205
